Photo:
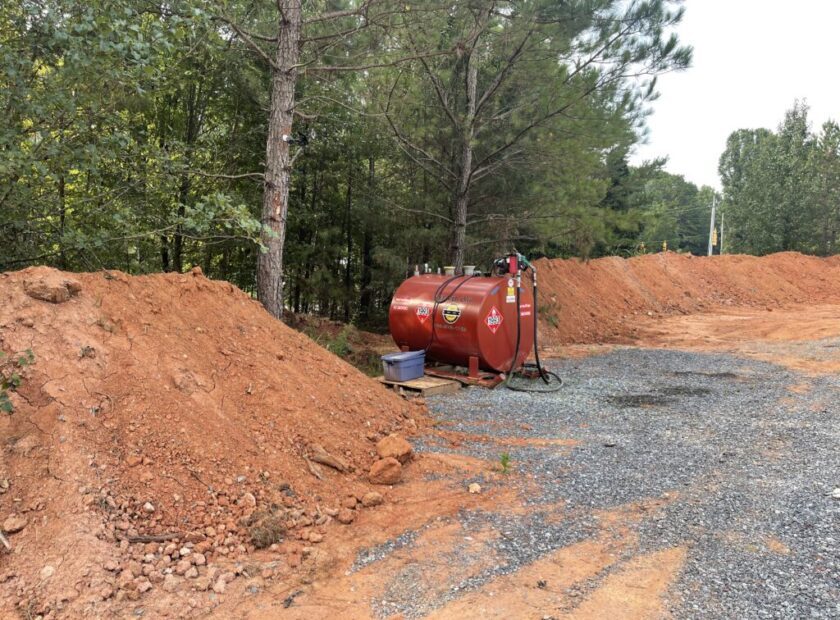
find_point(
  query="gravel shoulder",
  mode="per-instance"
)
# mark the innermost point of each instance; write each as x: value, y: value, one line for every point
x: 731, y: 460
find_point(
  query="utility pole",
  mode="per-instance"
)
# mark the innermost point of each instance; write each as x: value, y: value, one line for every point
x: 721, y: 231
x: 712, y: 224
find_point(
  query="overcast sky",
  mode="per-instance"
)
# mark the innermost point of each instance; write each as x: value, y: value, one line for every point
x: 752, y: 59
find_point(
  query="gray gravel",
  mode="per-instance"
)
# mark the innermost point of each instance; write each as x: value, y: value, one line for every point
x: 749, y: 460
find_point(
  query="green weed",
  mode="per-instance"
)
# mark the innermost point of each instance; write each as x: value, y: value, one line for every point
x: 10, y: 378
x: 504, y: 462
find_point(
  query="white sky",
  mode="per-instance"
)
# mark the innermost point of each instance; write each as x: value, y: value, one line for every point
x: 752, y: 59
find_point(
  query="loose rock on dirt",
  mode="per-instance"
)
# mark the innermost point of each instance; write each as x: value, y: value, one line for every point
x: 51, y: 286
x: 386, y: 471
x: 394, y: 446
x: 14, y: 524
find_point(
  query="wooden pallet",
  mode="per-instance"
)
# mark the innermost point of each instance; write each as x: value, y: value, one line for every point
x: 484, y: 379
x: 424, y: 386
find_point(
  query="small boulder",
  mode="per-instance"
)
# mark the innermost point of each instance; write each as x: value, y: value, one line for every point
x: 111, y: 564
x: 125, y: 580
x: 171, y: 583
x: 474, y: 488
x: 156, y: 577
x: 394, y: 446
x: 386, y: 471
x: 346, y: 516
x: 133, y: 460
x: 371, y: 499
x: 51, y: 286
x: 202, y: 583
x: 14, y: 523
x: 247, y: 501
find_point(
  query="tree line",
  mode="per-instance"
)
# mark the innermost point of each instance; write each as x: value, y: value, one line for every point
x: 313, y: 152
x: 782, y: 189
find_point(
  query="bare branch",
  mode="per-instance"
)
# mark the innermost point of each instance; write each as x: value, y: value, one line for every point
x: 480, y: 167
x: 422, y: 212
x: 335, y: 35
x: 246, y: 175
x: 375, y: 65
x: 405, y: 144
x: 441, y: 94
x: 361, y: 10
x: 500, y: 77
x: 294, y: 158
x: 242, y: 34
x: 492, y: 166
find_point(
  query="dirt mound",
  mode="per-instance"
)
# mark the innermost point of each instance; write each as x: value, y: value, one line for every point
x: 168, y: 424
x: 603, y: 300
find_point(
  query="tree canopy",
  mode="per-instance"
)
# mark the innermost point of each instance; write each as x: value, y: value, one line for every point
x: 314, y: 152
x: 782, y: 189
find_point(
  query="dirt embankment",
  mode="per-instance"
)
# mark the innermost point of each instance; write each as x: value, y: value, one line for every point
x: 167, y: 425
x: 604, y: 300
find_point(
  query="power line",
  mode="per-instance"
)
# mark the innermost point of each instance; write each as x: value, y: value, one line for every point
x: 675, y: 210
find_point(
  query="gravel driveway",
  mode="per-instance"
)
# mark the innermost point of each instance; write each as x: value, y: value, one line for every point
x: 746, y: 451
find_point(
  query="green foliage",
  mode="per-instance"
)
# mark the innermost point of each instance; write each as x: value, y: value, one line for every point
x: 674, y: 211
x: 107, y: 115
x: 340, y: 345
x: 11, y: 368
x: 134, y: 137
x: 538, y: 151
x: 504, y: 462
x: 781, y: 188
x: 548, y: 313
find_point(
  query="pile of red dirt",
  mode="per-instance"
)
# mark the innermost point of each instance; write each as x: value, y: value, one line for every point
x: 603, y: 300
x: 167, y: 425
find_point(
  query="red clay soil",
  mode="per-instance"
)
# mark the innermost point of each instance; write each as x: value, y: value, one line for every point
x: 166, y: 406
x: 604, y: 300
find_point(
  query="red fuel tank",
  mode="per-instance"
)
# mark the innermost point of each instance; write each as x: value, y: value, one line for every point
x: 462, y: 317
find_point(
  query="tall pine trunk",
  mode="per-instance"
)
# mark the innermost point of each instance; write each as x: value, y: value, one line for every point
x: 367, y: 249
x: 278, y: 163
x: 191, y: 131
x: 348, y: 229
x: 62, y: 219
x: 465, y: 170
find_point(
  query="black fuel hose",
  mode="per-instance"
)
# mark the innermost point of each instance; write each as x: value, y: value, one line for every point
x: 544, y: 374
x: 518, y: 335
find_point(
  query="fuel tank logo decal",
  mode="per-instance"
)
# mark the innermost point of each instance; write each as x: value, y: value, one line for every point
x: 423, y: 313
x: 494, y: 319
x: 451, y: 313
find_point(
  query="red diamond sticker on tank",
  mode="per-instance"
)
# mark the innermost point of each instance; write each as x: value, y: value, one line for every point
x: 423, y: 313
x: 494, y: 319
